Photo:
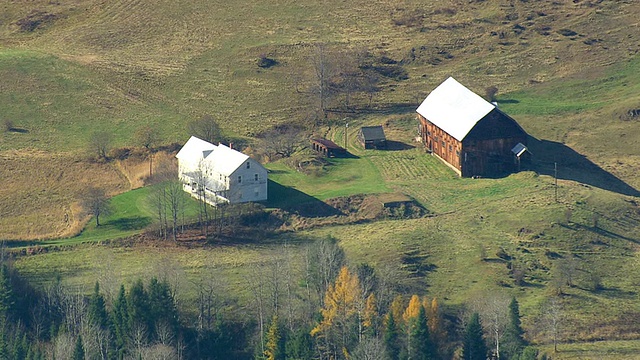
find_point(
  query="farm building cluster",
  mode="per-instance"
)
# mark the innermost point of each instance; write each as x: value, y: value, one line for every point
x: 468, y: 133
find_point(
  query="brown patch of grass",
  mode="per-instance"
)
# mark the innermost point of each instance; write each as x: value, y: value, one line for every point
x: 40, y: 192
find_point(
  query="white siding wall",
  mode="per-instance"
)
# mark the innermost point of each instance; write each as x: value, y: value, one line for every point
x: 243, y: 184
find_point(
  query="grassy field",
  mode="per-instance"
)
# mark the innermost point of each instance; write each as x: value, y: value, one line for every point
x: 568, y: 72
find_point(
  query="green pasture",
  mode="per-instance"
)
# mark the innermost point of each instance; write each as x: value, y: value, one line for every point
x: 108, y: 66
x: 584, y: 92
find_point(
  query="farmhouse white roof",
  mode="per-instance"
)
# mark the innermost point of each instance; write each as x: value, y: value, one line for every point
x: 224, y: 159
x: 227, y: 160
x: 195, y: 149
x: 454, y: 108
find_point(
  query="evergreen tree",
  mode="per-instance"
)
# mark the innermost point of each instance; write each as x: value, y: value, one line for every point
x: 97, y: 311
x: 162, y: 308
x: 474, y: 347
x: 513, y: 342
x: 20, y: 346
x: 529, y: 353
x: 120, y: 322
x: 391, y: 341
x: 420, y: 344
x: 6, y: 293
x: 275, y: 341
x: 299, y: 345
x: 78, y: 350
x: 138, y: 307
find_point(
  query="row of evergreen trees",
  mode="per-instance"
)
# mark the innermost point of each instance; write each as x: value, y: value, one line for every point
x: 141, y: 322
x: 354, y: 319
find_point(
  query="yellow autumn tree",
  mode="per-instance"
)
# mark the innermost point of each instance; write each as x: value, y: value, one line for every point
x: 370, y: 312
x: 412, y: 309
x: 433, y: 316
x: 340, y: 309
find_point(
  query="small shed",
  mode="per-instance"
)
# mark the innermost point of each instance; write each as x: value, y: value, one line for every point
x: 372, y: 137
x: 327, y: 148
x: 521, y: 155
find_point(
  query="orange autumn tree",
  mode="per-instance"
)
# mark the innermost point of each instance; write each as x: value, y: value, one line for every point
x: 340, y: 313
x: 371, y: 318
x: 412, y: 309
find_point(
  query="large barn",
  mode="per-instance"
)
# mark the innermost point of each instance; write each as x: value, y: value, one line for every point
x: 468, y: 133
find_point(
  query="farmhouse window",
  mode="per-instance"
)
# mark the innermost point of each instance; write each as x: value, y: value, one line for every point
x: 248, y: 165
x: 458, y: 153
x: 239, y: 179
x: 444, y: 146
x: 255, y: 177
x: 450, y: 148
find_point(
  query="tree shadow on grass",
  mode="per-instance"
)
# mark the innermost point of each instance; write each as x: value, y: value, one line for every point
x: 599, y: 231
x: 130, y: 223
x: 573, y: 166
x: 295, y: 201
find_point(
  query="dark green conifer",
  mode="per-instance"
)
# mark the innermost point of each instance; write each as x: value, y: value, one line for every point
x: 513, y: 341
x: 97, y: 310
x: 138, y: 307
x: 120, y: 322
x: 78, y: 350
x: 421, y: 346
x: 474, y: 347
x: 391, y: 341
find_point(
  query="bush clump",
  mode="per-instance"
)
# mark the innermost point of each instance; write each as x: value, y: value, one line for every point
x: 266, y: 62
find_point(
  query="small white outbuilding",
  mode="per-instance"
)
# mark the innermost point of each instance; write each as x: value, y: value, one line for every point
x: 217, y: 173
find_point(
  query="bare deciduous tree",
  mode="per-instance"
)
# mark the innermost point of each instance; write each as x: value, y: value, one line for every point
x: 148, y: 137
x: 324, y: 71
x: 96, y: 203
x: 282, y: 141
x: 206, y: 128
x: 256, y: 283
x: 494, y: 313
x: 100, y: 143
x: 209, y: 301
x: 552, y: 320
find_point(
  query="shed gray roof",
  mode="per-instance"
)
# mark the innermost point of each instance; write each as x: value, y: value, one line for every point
x: 454, y: 108
x: 519, y: 149
x: 371, y: 133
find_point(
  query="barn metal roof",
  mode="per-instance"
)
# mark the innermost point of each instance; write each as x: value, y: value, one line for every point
x: 328, y: 144
x: 454, y: 108
x: 373, y: 133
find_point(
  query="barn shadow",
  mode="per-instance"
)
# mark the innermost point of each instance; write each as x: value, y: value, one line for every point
x: 398, y: 145
x: 573, y: 166
x: 295, y: 201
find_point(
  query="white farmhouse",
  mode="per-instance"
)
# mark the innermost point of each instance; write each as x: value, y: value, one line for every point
x: 219, y: 174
